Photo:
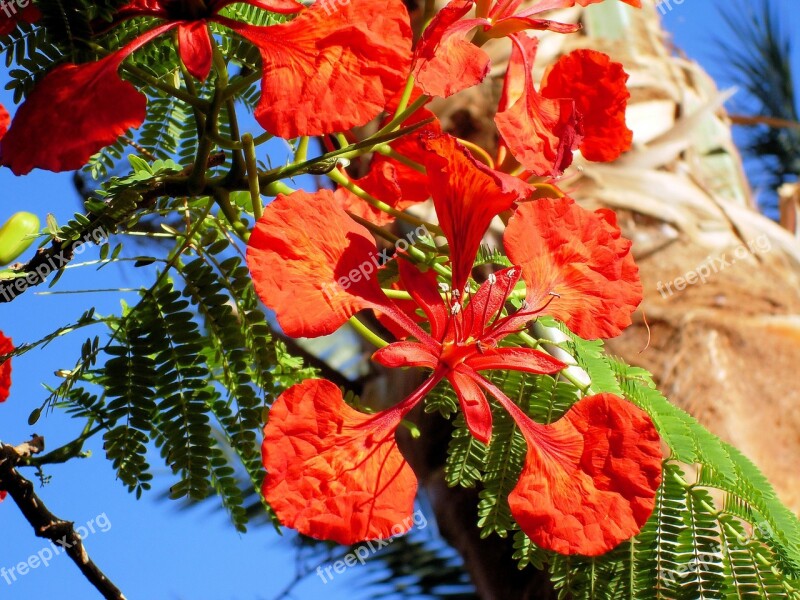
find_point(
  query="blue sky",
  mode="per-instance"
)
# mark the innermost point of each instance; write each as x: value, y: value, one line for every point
x: 152, y: 550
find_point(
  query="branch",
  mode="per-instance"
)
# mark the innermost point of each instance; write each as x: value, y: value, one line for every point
x: 772, y: 122
x: 59, y: 253
x: 45, y: 524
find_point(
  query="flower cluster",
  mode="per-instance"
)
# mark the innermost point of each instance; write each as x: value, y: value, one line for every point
x: 589, y: 479
x: 311, y: 65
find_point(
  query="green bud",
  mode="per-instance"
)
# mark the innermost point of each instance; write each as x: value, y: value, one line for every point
x: 16, y: 235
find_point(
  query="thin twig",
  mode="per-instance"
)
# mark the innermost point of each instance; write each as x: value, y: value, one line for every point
x: 45, y: 524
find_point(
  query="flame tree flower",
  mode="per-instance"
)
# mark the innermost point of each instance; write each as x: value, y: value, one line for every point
x: 582, y: 104
x: 589, y: 480
x: 6, y: 346
x: 320, y: 75
x: 5, y: 121
x: 446, y: 61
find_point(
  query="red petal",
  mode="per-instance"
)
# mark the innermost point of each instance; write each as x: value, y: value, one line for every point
x: 541, y: 133
x: 312, y: 264
x: 6, y: 346
x: 406, y: 354
x: 100, y: 107
x: 194, y: 44
x: 489, y: 299
x: 330, y: 72
x: 528, y: 360
x: 590, y: 479
x: 597, y: 85
x: 425, y: 292
x: 413, y: 184
x: 445, y: 61
x: 332, y: 472
x: 476, y: 409
x: 380, y: 183
x: 142, y: 8
x: 579, y: 255
x: 467, y: 195
x: 5, y: 121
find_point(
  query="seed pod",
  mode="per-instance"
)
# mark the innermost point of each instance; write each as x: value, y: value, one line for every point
x: 16, y: 235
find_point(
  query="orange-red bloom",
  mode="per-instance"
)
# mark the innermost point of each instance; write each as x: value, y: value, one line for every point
x: 590, y: 479
x: 446, y: 62
x: 596, y: 85
x: 581, y: 104
x: 320, y: 75
x: 582, y: 258
x: 5, y: 120
x: 6, y: 346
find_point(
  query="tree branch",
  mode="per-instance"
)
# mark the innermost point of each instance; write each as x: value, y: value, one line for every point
x: 45, y: 524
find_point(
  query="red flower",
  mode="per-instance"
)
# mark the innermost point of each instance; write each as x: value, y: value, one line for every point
x: 581, y: 105
x: 10, y: 16
x: 582, y: 258
x: 597, y: 86
x: 6, y: 346
x: 336, y: 473
x: 5, y: 120
x: 447, y: 62
x: 540, y: 132
x: 320, y: 75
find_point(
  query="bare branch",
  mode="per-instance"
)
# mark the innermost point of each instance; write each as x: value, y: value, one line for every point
x: 45, y: 524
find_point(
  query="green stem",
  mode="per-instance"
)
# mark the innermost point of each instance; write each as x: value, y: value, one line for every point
x: 238, y: 166
x: 301, y: 154
x: 277, y: 187
x: 398, y: 119
x: 67, y: 451
x: 240, y: 83
x: 397, y: 294
x: 193, y: 101
x: 366, y: 333
x: 573, y: 372
x: 223, y: 200
x: 260, y: 139
x: 197, y: 178
x: 354, y: 150
x: 337, y: 176
x: 252, y: 174
x: 387, y: 150
x: 407, y: 91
